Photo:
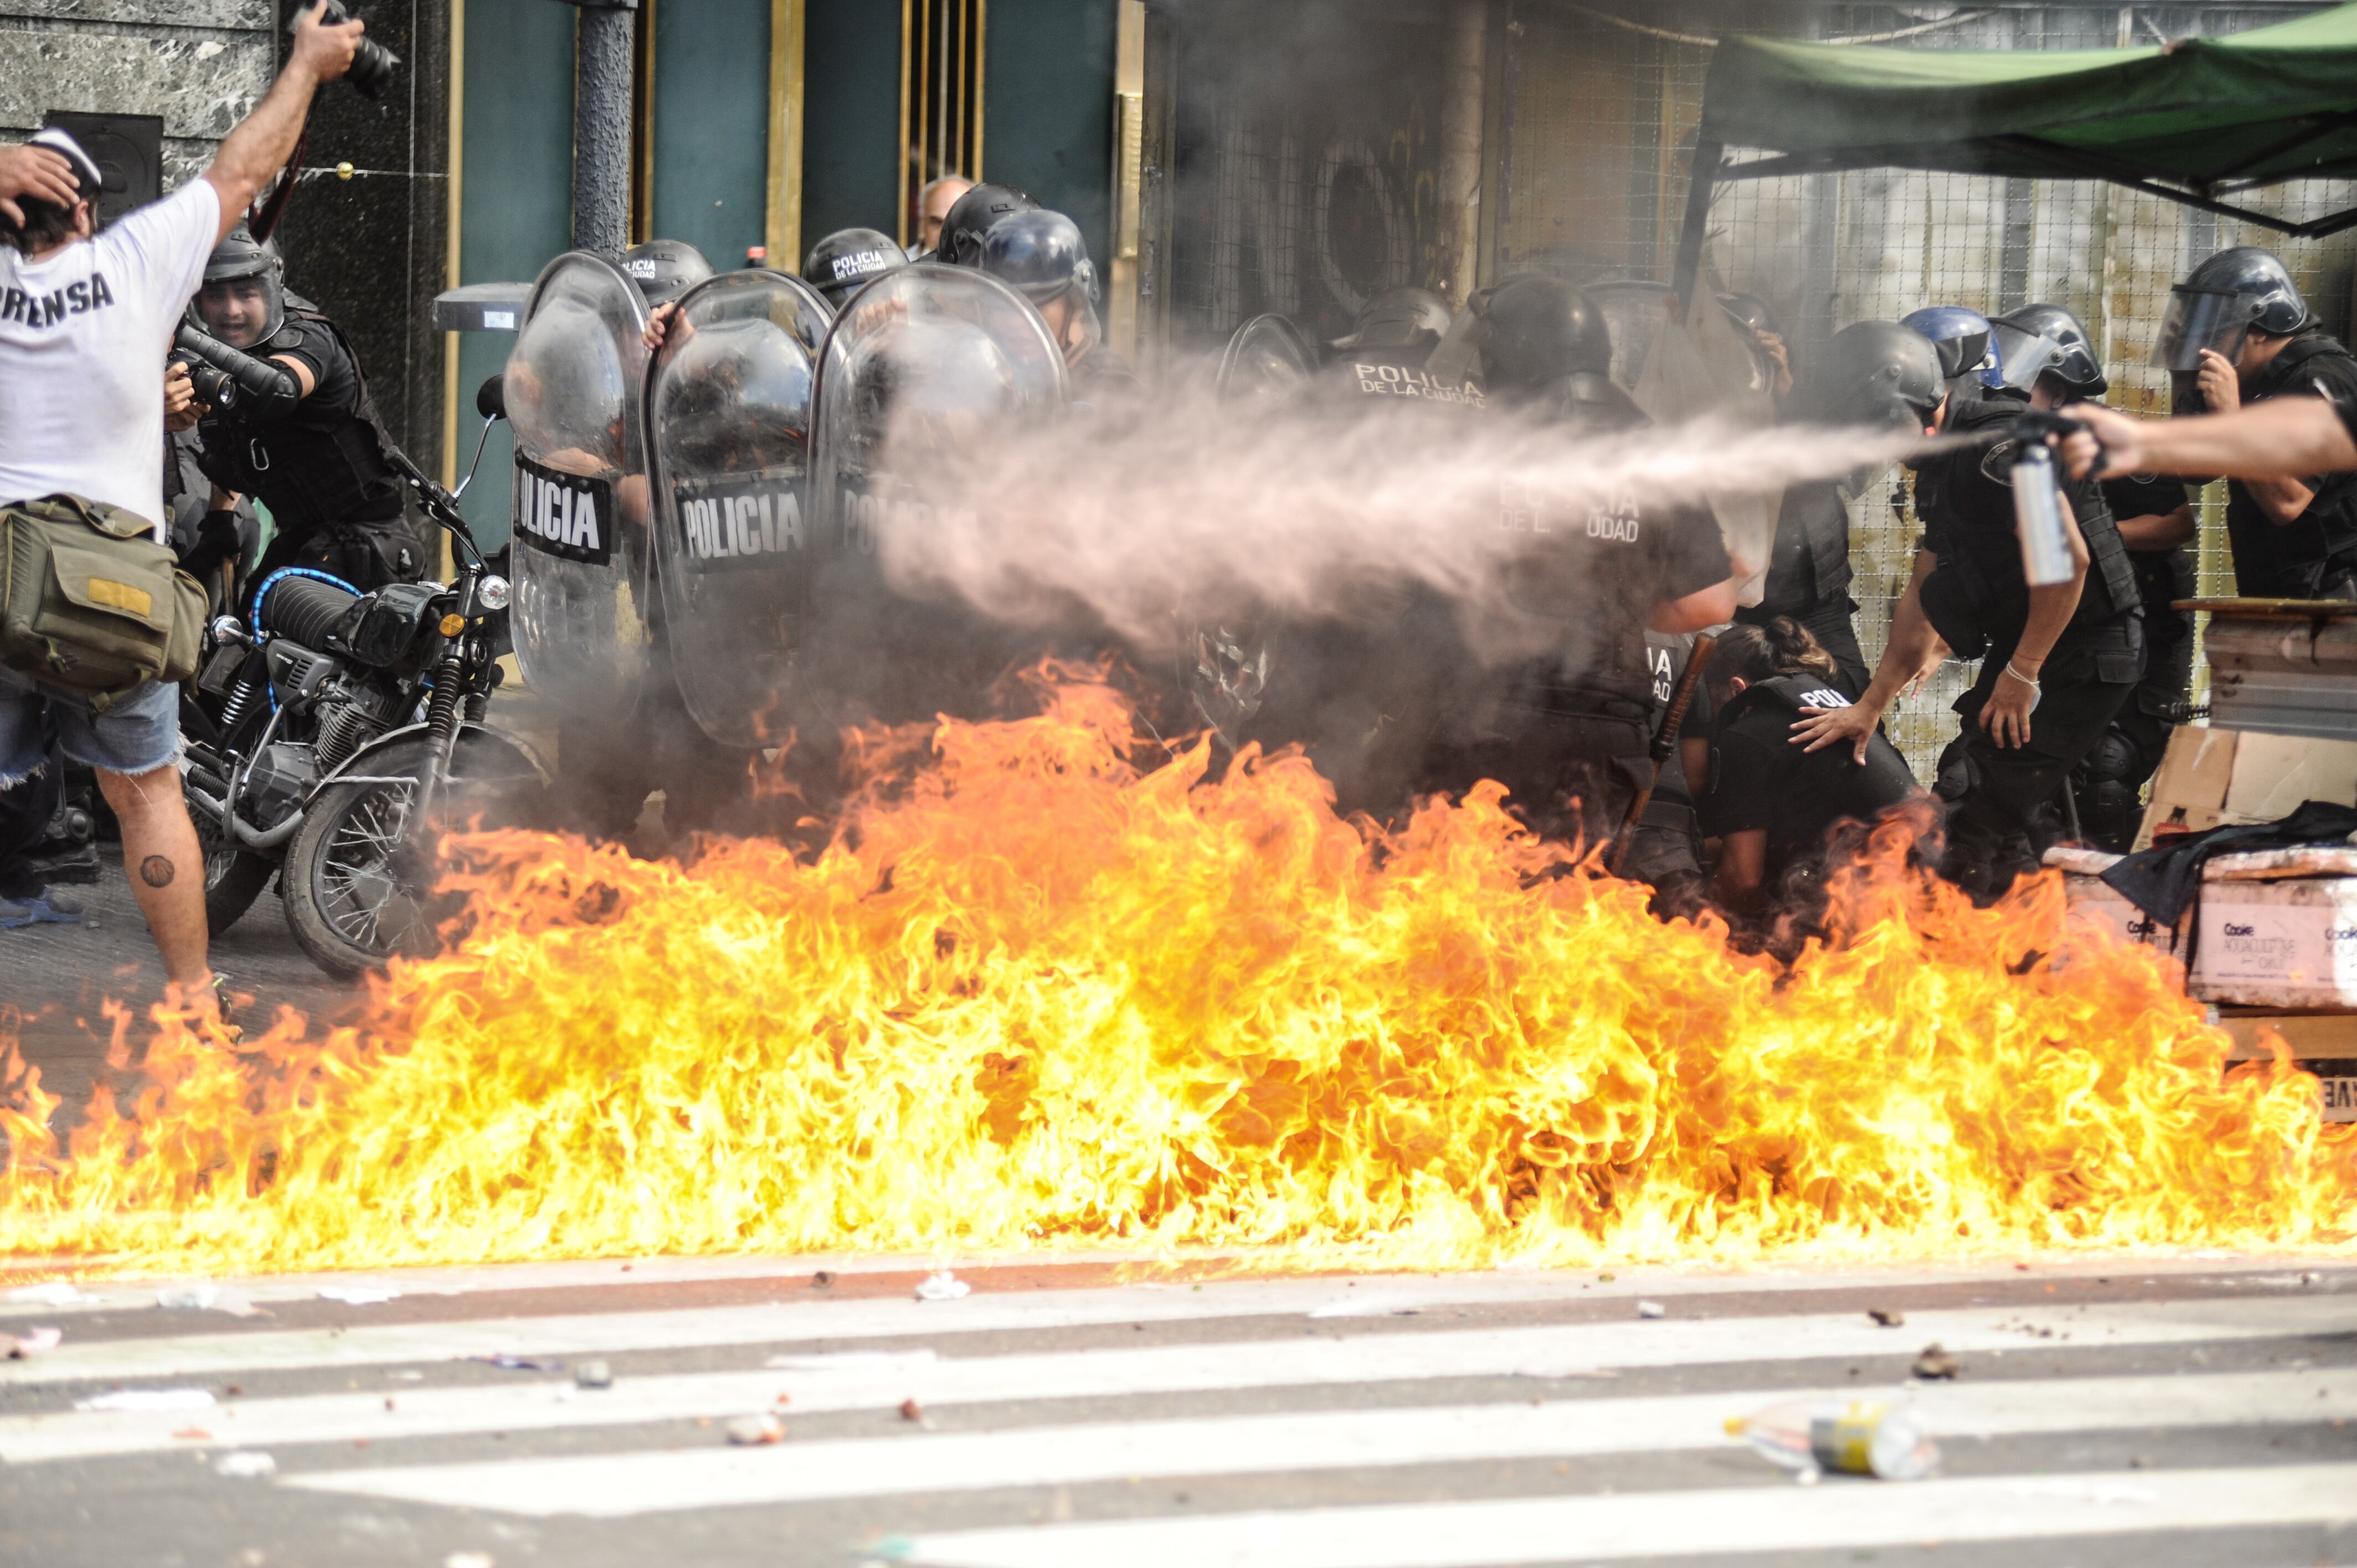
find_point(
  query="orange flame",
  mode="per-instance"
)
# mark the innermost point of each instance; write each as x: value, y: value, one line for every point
x: 1037, y: 996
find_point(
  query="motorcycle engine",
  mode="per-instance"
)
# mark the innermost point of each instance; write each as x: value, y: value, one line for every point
x: 278, y: 780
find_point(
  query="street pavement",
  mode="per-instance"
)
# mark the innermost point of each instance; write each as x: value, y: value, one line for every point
x: 1102, y: 1413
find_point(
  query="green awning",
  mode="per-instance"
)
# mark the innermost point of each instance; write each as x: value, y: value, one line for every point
x: 2197, y: 121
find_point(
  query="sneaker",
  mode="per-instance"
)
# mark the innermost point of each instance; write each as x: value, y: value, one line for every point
x: 40, y: 907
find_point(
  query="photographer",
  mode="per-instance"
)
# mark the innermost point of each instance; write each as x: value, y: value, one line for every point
x: 83, y: 316
x: 282, y: 413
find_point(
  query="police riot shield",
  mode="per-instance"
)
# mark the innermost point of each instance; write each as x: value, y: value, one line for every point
x: 922, y: 368
x: 729, y: 421
x: 580, y: 561
x: 1267, y: 359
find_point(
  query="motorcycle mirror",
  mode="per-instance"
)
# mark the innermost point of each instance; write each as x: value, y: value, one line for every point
x: 491, y: 398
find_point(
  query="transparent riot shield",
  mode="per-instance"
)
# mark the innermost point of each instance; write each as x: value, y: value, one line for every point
x: 923, y: 368
x: 1268, y: 357
x: 728, y: 422
x: 580, y: 561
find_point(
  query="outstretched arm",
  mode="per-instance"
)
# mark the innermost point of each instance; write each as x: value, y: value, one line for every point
x: 264, y: 139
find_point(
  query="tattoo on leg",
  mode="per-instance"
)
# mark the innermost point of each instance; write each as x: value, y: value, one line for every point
x: 156, y: 871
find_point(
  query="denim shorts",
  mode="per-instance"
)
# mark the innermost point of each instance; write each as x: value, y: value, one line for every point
x: 138, y: 735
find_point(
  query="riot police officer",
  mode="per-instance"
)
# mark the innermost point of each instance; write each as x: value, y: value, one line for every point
x: 971, y: 218
x: 1387, y: 353
x: 665, y: 268
x: 2154, y: 514
x: 1040, y: 254
x: 1568, y: 731
x: 300, y: 433
x: 2239, y: 332
x: 840, y: 265
x: 2057, y: 662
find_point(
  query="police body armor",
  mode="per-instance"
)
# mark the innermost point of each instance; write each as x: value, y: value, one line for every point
x: 1794, y: 691
x: 318, y: 466
x: 1808, y: 565
x: 728, y: 422
x: 1977, y: 598
x: 2315, y: 555
x: 1399, y: 375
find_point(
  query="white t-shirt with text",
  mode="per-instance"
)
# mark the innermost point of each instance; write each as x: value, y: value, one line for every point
x: 83, y: 335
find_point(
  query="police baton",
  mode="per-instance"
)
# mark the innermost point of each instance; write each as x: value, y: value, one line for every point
x: 1681, y: 698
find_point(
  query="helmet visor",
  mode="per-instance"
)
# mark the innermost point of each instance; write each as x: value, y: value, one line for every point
x: 2022, y: 358
x: 2200, y: 319
x: 241, y: 312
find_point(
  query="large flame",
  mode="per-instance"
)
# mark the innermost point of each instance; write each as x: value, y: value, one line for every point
x: 1035, y: 995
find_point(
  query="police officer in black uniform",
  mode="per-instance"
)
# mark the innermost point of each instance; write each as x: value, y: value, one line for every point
x: 841, y: 264
x: 2154, y: 514
x: 2057, y: 662
x: 2292, y: 539
x: 300, y: 433
x: 1387, y: 353
x: 1568, y: 732
x: 1041, y: 255
x: 971, y: 218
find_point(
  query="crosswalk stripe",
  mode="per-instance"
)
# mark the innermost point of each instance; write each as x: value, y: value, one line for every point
x: 621, y: 1484
x: 1542, y: 1351
x: 1656, y: 1524
x: 724, y: 1326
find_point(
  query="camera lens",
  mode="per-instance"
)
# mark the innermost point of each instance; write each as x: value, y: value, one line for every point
x: 372, y: 68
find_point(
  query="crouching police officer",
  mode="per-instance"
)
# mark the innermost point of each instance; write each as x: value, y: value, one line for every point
x: 2155, y: 517
x: 2056, y: 662
x: 297, y: 430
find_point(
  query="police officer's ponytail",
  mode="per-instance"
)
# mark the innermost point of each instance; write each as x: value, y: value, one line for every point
x: 1756, y: 653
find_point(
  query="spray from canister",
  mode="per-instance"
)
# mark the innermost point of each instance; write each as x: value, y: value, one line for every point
x: 2038, y: 516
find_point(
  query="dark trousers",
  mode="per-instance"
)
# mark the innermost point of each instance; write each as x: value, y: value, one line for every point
x: 2006, y: 804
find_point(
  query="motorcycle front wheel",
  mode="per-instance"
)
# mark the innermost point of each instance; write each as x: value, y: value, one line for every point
x: 359, y: 882
x: 234, y: 878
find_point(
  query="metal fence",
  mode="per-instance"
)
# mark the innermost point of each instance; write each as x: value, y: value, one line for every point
x: 1307, y: 199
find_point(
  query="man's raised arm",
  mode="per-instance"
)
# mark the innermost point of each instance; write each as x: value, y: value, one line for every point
x: 264, y: 139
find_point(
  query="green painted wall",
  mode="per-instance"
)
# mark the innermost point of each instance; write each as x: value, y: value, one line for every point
x: 712, y: 125
x: 515, y: 198
x: 1047, y: 108
x: 850, y: 113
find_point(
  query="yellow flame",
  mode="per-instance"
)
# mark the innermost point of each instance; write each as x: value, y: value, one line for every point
x: 1035, y: 996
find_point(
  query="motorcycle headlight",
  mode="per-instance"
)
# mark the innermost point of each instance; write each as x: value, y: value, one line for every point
x: 491, y: 593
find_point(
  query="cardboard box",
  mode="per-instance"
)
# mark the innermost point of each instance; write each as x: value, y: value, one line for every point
x: 2322, y: 1042
x: 2211, y: 777
x: 2276, y: 944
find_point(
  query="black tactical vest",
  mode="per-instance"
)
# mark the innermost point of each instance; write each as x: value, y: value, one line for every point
x: 1808, y: 565
x: 1793, y: 692
x: 322, y: 464
x: 1977, y: 598
x: 2318, y: 549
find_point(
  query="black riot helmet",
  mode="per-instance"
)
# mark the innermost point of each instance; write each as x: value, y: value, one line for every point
x: 1038, y: 253
x: 838, y: 264
x: 1960, y: 336
x: 2226, y: 298
x: 2069, y: 355
x: 242, y: 301
x: 971, y: 216
x: 1398, y: 318
x: 1876, y: 373
x: 2259, y: 275
x: 665, y: 268
x: 1535, y: 332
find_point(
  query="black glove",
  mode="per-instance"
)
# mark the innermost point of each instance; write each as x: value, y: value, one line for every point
x: 217, y: 541
x: 266, y: 391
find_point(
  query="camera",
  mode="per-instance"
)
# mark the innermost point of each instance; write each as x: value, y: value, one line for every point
x: 372, y: 65
x: 216, y: 392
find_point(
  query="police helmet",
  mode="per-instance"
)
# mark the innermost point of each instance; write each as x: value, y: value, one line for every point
x: 1750, y: 312
x: 1038, y: 253
x: 1538, y: 330
x: 1398, y: 318
x: 839, y: 264
x: 241, y: 267
x: 2258, y: 275
x: 665, y: 268
x: 971, y: 216
x: 2068, y: 358
x: 1878, y: 374
x: 1961, y: 336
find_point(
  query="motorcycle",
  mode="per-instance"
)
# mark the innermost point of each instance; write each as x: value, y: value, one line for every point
x: 334, y: 734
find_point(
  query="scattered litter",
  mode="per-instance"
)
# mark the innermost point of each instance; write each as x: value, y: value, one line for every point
x: 2311, y: 1278
x: 822, y: 1279
x: 911, y: 1410
x: 193, y: 1435
x: 593, y: 1375
x: 1652, y: 1309
x: 1857, y: 1437
x: 24, y: 1347
x: 358, y: 1296
x: 942, y: 1286
x: 519, y: 1363
x: 850, y: 1360
x: 1604, y: 1279
x: 208, y: 1298
x: 57, y: 1293
x: 1936, y: 1364
x: 1888, y: 1316
x: 245, y: 1464
x: 148, y: 1400
x: 1367, y: 1306
x: 753, y: 1430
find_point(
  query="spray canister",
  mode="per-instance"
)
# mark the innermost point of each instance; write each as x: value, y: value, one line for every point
x: 1860, y: 1437
x: 2038, y: 516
